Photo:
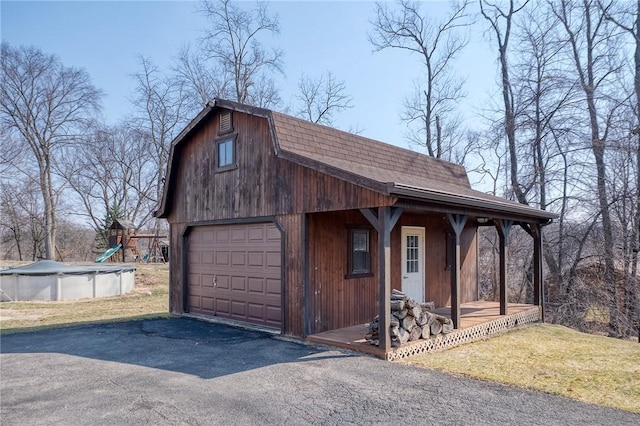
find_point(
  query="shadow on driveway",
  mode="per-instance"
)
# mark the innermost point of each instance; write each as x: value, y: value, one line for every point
x: 184, y: 345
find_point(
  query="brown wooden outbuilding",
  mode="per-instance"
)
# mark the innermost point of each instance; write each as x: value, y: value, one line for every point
x: 284, y: 223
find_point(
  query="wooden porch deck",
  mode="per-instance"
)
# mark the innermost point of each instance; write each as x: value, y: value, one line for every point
x: 478, y: 320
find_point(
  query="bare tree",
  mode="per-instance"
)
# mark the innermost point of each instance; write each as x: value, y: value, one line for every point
x: 114, y: 167
x: 591, y: 51
x: 501, y: 23
x: 162, y: 106
x: 438, y: 43
x: 46, y: 105
x: 628, y: 19
x: 22, y: 219
x: 321, y: 98
x: 233, y: 42
x: 203, y: 79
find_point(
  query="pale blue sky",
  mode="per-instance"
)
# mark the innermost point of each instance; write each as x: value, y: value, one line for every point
x: 105, y: 37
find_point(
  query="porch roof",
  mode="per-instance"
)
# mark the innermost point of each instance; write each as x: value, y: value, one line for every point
x: 385, y: 168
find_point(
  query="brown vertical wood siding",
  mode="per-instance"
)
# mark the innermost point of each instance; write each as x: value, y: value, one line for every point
x: 293, y: 302
x: 176, y: 271
x: 336, y: 301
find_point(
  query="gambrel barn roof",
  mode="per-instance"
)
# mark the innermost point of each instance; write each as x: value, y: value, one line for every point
x: 387, y: 169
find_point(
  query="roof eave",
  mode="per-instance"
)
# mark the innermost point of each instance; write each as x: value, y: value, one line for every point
x: 470, y: 202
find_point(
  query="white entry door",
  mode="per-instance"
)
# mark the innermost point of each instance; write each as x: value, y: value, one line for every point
x: 413, y: 262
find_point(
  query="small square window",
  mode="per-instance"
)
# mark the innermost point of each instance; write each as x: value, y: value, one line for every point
x: 226, y: 153
x: 359, y: 252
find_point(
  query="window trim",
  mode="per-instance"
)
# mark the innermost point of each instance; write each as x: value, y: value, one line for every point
x: 350, y: 252
x: 234, y: 162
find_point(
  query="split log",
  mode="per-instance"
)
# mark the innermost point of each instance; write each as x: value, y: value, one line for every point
x: 411, y: 303
x: 424, y: 318
x: 397, y: 305
x: 447, y: 327
x: 441, y: 318
x: 416, y: 311
x: 401, y: 314
x: 394, y: 332
x: 415, y: 334
x: 403, y: 335
x: 408, y: 323
x: 394, y: 321
x: 428, y: 306
x: 425, y: 331
x: 436, y: 328
x: 398, y: 295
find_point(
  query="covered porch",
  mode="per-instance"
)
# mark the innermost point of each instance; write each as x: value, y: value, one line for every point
x: 460, y: 211
x: 478, y: 320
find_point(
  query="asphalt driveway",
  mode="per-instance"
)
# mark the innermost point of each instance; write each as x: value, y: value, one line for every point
x: 184, y: 371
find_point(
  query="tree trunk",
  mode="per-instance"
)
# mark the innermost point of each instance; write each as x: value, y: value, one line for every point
x: 46, y: 186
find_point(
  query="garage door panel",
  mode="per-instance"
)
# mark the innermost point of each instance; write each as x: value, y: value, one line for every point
x: 273, y: 234
x: 255, y: 311
x: 207, y: 258
x: 256, y: 259
x: 206, y: 280
x: 256, y: 234
x: 238, y: 259
x: 207, y: 304
x: 239, y: 234
x: 195, y: 302
x: 273, y: 286
x: 222, y: 306
x: 273, y: 314
x: 256, y: 285
x: 239, y: 284
x: 221, y: 235
x: 274, y: 259
x: 239, y: 309
x: 222, y: 282
x: 222, y: 258
x: 235, y: 272
x: 194, y: 258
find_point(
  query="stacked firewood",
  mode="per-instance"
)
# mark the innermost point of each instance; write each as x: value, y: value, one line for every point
x: 410, y: 320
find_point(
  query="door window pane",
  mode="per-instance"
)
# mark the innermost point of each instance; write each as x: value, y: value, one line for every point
x: 413, y: 263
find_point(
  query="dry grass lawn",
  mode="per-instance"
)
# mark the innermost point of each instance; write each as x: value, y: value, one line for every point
x: 553, y: 359
x: 150, y: 298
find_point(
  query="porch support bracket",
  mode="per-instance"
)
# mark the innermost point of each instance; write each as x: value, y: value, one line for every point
x: 384, y: 222
x: 457, y: 222
x: 504, y: 230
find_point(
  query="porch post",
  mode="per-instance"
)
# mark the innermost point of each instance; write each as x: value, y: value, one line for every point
x: 504, y: 229
x: 384, y: 268
x: 457, y: 223
x: 386, y: 219
x: 538, y: 284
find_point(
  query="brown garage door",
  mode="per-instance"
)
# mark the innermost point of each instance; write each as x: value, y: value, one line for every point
x: 234, y: 272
